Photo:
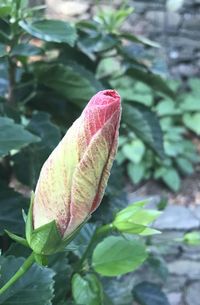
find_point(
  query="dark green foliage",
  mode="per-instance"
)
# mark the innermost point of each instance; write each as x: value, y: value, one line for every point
x: 11, y: 207
x: 149, y: 294
x: 26, y: 290
x: 49, y: 69
x: 35, y: 155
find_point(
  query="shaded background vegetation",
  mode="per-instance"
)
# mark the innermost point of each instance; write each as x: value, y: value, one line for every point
x: 49, y: 69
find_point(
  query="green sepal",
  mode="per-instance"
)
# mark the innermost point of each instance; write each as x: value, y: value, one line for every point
x: 46, y: 239
x: 41, y: 259
x: 24, y: 215
x: 70, y: 237
x: 18, y: 239
x: 29, y: 220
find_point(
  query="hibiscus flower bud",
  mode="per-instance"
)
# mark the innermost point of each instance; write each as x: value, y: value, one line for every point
x: 73, y: 179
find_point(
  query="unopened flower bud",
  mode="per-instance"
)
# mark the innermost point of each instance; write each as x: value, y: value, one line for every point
x: 73, y: 179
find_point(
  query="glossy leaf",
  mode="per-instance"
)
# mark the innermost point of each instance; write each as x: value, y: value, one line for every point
x: 80, y: 243
x: 13, y: 136
x: 25, y: 290
x: 71, y: 81
x: 26, y: 50
x: 51, y: 30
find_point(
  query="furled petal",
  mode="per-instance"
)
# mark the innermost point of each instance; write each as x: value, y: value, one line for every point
x: 73, y: 179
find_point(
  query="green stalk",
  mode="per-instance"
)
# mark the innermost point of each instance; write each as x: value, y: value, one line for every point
x: 98, y: 233
x: 23, y: 269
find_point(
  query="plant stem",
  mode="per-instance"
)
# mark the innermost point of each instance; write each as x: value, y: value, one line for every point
x: 98, y: 233
x: 23, y: 269
x: 11, y: 75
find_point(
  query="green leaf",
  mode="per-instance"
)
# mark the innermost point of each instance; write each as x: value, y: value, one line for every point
x: 185, y: 166
x: 139, y: 39
x: 192, y: 121
x: 100, y: 42
x: 108, y: 67
x: 128, y: 227
x: 25, y: 290
x: 5, y: 10
x: 194, y: 84
x: 134, y: 151
x: 190, y: 102
x: 11, y: 207
x: 51, y: 31
x: 145, y: 217
x: 149, y: 294
x: 72, y: 81
x: 18, y: 250
x: 26, y: 50
x: 16, y: 238
x: 116, y: 255
x: 129, y: 89
x: 167, y: 107
x: 149, y: 231
x: 145, y: 124
x: 5, y: 31
x: 134, y: 219
x: 33, y: 157
x: 13, y: 136
x: 192, y: 238
x: 171, y: 178
x: 136, y: 172
x: 87, y: 290
x: 172, y: 149
x: 80, y: 243
x: 63, y: 272
x: 156, y: 82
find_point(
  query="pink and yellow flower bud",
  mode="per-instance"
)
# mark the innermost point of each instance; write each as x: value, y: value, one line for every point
x: 73, y: 179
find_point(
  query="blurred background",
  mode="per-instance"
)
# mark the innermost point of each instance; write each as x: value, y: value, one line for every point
x: 172, y: 23
x: 149, y: 51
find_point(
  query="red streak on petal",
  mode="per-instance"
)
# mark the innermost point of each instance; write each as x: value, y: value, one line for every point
x: 99, y: 110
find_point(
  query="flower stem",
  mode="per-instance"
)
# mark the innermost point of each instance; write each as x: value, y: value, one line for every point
x: 98, y: 233
x: 23, y: 269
